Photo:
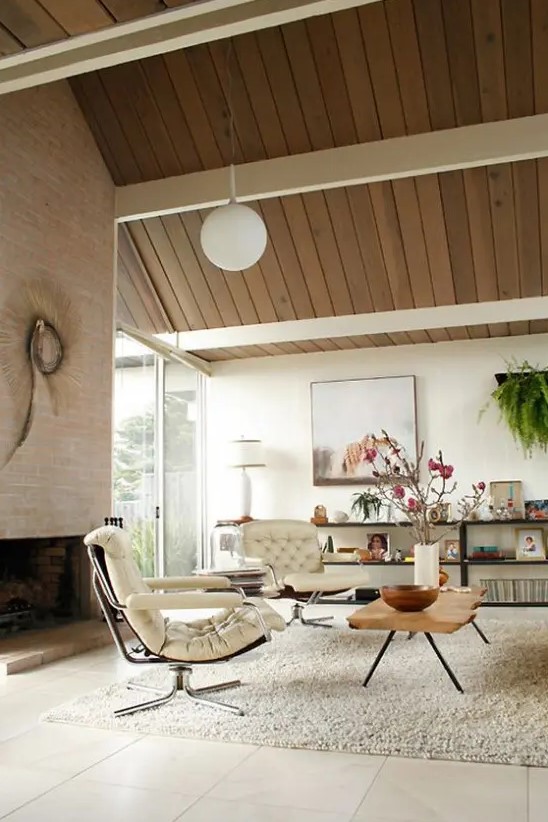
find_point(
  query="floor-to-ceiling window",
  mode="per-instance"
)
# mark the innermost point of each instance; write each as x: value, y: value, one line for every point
x: 157, y: 458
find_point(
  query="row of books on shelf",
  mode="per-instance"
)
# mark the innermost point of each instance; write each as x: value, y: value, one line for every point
x: 516, y: 590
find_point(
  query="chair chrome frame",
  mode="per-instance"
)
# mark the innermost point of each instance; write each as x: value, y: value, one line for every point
x: 297, y: 609
x: 114, y: 613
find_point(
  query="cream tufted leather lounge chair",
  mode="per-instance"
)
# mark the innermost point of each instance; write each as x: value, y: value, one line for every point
x: 121, y: 590
x: 291, y: 549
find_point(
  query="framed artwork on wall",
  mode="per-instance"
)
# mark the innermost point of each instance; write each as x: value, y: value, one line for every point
x: 346, y: 414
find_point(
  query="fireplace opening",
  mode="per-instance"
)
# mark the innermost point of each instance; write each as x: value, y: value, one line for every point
x: 40, y: 582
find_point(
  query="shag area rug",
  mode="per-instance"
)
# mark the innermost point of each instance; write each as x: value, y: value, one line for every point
x: 304, y: 690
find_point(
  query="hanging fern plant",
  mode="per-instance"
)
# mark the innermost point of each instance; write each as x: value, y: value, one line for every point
x: 522, y: 399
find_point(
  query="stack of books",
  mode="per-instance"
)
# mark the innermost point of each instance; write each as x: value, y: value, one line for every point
x: 249, y: 580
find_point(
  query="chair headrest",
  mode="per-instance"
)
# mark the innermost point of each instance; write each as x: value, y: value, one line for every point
x: 114, y: 541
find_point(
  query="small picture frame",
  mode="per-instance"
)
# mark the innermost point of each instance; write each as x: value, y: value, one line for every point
x: 536, y: 509
x: 451, y: 550
x: 530, y: 544
x: 378, y: 544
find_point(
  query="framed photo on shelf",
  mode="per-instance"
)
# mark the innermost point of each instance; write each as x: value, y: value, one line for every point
x: 530, y: 544
x: 536, y: 508
x: 451, y: 550
x: 500, y: 492
x: 378, y: 544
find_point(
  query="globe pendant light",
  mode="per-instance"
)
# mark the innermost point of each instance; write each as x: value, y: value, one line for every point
x: 233, y: 236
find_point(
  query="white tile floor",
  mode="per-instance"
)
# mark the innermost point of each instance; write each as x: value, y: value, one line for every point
x: 55, y: 772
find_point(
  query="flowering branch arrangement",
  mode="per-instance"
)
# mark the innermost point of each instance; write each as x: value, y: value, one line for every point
x: 399, y: 484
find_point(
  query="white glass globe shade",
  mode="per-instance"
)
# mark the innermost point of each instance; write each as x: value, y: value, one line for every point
x: 233, y: 237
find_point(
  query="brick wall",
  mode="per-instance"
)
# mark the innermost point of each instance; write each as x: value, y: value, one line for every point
x: 56, y: 221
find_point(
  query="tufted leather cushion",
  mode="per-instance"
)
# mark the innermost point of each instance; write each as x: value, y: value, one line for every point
x: 126, y: 579
x: 289, y: 545
x: 219, y: 636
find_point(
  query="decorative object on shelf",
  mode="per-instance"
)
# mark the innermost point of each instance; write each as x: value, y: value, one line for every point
x: 398, y: 478
x: 530, y: 544
x: 440, y: 514
x: 245, y: 454
x: 487, y: 553
x: 344, y: 411
x: 451, y: 550
x: 409, y: 597
x: 340, y: 516
x: 40, y: 342
x: 398, y: 556
x: 536, y: 509
x: 320, y: 515
x: 225, y: 547
x: 328, y: 547
x: 443, y: 577
x: 522, y: 399
x: 363, y: 555
x: 379, y: 545
x: 507, y: 499
x: 366, y: 504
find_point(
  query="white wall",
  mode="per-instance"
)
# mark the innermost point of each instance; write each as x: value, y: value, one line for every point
x: 269, y: 398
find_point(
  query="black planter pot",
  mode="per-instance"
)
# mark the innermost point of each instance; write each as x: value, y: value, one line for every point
x: 501, y: 378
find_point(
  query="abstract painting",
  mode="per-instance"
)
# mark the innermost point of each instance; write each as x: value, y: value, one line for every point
x: 347, y: 414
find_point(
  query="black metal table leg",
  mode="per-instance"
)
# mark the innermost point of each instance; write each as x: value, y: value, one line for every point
x: 380, y: 655
x: 448, y: 670
x: 480, y: 632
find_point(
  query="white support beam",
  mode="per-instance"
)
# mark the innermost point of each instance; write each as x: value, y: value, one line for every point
x: 383, y: 322
x: 198, y: 22
x: 480, y: 145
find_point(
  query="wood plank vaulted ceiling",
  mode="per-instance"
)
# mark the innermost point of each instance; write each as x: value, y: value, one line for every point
x: 387, y: 69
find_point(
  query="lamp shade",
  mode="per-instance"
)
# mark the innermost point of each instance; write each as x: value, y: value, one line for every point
x: 245, y: 454
x: 233, y: 237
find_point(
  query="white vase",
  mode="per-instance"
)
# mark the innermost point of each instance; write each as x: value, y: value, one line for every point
x: 427, y: 564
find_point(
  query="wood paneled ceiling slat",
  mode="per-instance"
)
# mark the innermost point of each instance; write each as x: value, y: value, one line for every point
x: 8, y: 43
x: 79, y: 17
x: 123, y: 10
x: 158, y: 276
x: 198, y: 141
x: 281, y: 242
x: 303, y: 240
x: 260, y: 95
x: 352, y: 263
x: 176, y: 277
x: 136, y: 275
x: 498, y: 329
x: 30, y: 23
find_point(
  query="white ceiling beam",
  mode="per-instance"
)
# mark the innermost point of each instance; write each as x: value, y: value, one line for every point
x: 381, y: 322
x: 438, y: 151
x: 198, y: 22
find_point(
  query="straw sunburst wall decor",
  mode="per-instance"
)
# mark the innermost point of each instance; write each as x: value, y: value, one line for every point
x: 40, y: 340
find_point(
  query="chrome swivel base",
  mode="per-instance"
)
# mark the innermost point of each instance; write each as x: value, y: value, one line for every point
x: 297, y: 615
x: 181, y: 682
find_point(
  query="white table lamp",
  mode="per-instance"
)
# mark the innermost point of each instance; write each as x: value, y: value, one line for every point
x: 245, y: 454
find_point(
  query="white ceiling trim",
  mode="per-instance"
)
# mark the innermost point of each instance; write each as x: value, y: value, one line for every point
x: 415, y: 319
x: 199, y: 22
x: 171, y: 353
x: 438, y: 151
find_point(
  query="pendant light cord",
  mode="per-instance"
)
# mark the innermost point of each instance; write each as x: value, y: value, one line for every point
x: 231, y: 122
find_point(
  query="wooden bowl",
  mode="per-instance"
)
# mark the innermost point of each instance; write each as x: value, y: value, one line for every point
x: 409, y: 597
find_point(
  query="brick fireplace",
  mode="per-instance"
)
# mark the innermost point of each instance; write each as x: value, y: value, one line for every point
x: 43, y: 582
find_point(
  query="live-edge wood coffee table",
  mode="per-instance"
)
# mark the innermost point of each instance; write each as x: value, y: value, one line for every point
x: 449, y: 613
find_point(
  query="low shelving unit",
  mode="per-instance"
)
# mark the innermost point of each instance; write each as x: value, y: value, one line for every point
x: 468, y: 566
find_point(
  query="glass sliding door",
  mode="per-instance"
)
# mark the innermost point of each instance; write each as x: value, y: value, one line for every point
x: 135, y: 462
x: 181, y: 519
x: 158, y: 458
